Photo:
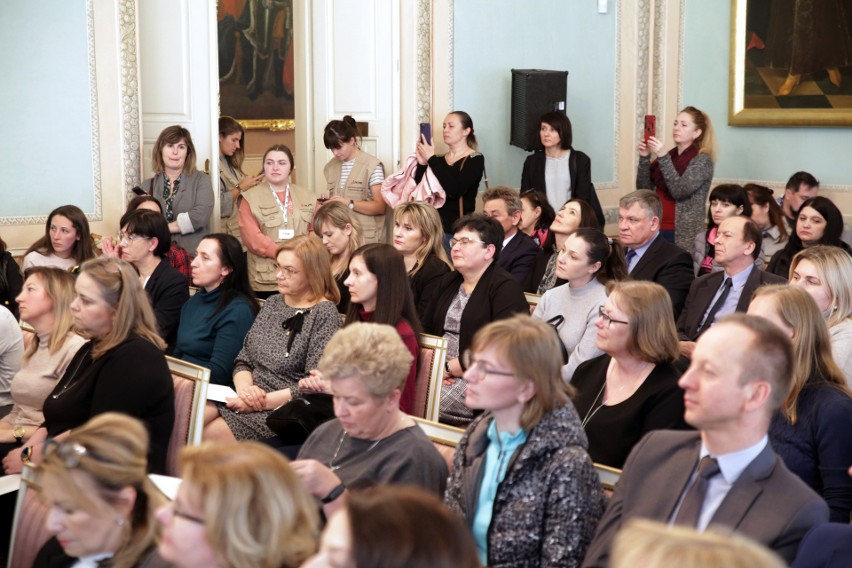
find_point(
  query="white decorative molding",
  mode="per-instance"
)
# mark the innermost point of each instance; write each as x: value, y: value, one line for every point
x: 451, y: 42
x: 778, y: 186
x: 131, y: 152
x: 614, y: 184
x: 424, y: 61
x: 680, y: 54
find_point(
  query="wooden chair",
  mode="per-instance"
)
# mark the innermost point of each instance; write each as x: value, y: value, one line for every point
x: 608, y: 476
x: 190, y: 397
x: 532, y: 300
x: 430, y: 375
x: 443, y: 436
x: 28, y: 531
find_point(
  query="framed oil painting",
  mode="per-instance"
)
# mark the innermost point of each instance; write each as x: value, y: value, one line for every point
x: 791, y: 63
x: 256, y: 62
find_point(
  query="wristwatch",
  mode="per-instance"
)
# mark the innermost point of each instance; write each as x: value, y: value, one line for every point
x: 18, y: 433
x: 26, y: 454
x: 447, y: 367
x: 351, y: 205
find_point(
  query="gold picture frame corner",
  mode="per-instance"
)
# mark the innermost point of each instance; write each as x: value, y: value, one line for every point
x: 273, y: 125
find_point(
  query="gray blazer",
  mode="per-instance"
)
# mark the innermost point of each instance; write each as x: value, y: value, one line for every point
x: 767, y: 503
x: 194, y: 197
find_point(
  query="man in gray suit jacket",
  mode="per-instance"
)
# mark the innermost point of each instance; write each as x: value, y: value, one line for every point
x: 726, y: 473
x: 737, y: 247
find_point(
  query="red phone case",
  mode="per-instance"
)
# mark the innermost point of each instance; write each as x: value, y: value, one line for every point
x: 650, y: 126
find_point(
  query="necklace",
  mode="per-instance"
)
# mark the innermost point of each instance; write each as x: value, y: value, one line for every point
x: 594, y: 410
x: 73, y: 376
x: 340, y: 444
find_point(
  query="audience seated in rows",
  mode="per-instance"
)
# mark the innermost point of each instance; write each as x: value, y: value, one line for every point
x: 215, y: 320
x: 478, y: 292
x: 519, y: 250
x: 726, y: 473
x: 726, y: 200
x: 340, y: 232
x: 717, y: 294
x: 283, y: 345
x: 649, y: 255
x: 587, y: 260
x: 813, y: 430
x: 632, y: 388
x: 371, y: 441
x: 66, y: 243
x: 518, y: 516
x: 45, y: 305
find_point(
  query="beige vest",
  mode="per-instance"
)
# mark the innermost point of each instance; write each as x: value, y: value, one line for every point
x: 357, y: 188
x: 227, y: 181
x: 267, y: 214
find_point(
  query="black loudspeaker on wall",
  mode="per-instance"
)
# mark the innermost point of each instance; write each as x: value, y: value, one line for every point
x: 534, y: 92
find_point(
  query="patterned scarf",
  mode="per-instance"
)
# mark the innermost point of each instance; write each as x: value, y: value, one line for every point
x: 169, y: 197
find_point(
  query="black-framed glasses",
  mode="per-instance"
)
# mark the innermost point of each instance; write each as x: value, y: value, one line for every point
x: 606, y: 317
x: 478, y: 369
x: 464, y: 242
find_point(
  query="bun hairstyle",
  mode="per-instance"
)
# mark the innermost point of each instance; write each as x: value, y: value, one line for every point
x: 339, y: 132
x: 466, y: 122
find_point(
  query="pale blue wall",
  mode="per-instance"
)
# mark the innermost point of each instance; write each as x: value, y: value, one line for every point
x: 745, y: 152
x: 491, y: 37
x: 46, y: 145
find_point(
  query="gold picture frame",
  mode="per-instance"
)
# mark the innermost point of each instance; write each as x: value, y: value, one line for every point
x: 757, y: 83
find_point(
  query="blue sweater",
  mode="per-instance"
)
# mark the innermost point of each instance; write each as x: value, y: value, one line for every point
x: 213, y: 341
x: 818, y: 448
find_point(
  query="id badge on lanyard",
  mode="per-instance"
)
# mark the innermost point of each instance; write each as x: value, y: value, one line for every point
x: 284, y: 234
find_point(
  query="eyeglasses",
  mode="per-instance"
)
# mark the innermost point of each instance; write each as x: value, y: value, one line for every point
x: 609, y: 321
x: 479, y: 370
x: 176, y: 512
x: 69, y: 453
x: 464, y: 242
x: 287, y: 270
x: 130, y: 237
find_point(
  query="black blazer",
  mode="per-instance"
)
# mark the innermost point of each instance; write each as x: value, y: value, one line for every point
x: 518, y: 255
x: 12, y: 283
x: 536, y: 273
x: 167, y: 290
x: 580, y: 170
x: 669, y: 266
x: 701, y: 294
x: 425, y: 279
x: 497, y: 296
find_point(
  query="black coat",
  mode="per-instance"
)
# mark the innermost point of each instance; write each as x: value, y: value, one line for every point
x: 580, y: 170
x: 518, y: 255
x: 168, y: 292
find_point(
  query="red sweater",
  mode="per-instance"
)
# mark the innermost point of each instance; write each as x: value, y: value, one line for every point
x: 409, y: 390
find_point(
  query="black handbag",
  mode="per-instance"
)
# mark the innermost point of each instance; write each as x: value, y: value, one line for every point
x: 293, y: 422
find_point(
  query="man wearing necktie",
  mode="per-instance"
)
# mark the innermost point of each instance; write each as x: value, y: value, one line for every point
x: 715, y: 295
x: 726, y: 473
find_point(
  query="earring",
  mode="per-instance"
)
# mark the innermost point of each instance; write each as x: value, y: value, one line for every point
x: 120, y: 522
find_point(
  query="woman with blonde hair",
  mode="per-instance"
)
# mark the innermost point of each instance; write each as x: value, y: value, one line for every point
x: 681, y: 176
x: 632, y: 388
x: 418, y: 235
x: 340, y: 232
x: 813, y: 431
x: 518, y: 516
x: 238, y: 507
x: 824, y: 272
x: 283, y: 345
x: 655, y: 545
x: 101, y: 502
x: 122, y: 368
x: 44, y: 303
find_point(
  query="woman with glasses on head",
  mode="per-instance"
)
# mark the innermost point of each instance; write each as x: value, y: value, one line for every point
x: 283, y: 345
x: 185, y: 194
x: 522, y: 479
x: 101, y: 502
x: 419, y: 237
x: 238, y: 508
x: 215, y: 320
x: 588, y: 260
x: 536, y: 215
x: 122, y: 368
x: 574, y: 214
x: 340, y: 232
x: 632, y: 388
x: 143, y: 242
x: 463, y: 301
x: 66, y: 243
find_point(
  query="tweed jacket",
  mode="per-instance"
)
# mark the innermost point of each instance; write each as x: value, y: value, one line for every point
x: 549, y: 502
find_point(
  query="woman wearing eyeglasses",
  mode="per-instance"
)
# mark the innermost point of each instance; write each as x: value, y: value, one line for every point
x: 236, y: 509
x: 632, y: 388
x: 143, y: 242
x: 101, y: 502
x: 522, y: 478
x: 477, y: 293
x: 283, y: 345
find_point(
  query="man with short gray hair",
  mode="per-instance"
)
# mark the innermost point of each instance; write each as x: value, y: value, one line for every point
x: 519, y: 250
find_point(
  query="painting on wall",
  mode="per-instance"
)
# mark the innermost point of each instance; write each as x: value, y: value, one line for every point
x: 791, y: 63
x: 256, y: 62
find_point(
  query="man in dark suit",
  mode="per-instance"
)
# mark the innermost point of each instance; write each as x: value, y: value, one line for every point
x: 519, y: 250
x: 715, y: 295
x: 726, y: 473
x: 649, y: 256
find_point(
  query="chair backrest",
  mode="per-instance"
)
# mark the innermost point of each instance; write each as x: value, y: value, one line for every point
x: 608, y: 476
x: 28, y: 527
x: 532, y: 300
x: 443, y: 436
x: 190, y: 397
x: 430, y: 374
